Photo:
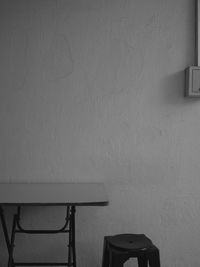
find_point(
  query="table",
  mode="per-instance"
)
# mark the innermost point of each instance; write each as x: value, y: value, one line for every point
x: 69, y: 195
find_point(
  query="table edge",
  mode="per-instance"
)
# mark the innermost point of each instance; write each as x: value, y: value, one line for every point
x: 100, y: 203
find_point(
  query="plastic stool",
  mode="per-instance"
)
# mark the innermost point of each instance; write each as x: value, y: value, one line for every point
x: 119, y: 248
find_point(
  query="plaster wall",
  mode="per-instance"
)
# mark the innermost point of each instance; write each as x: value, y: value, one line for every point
x: 92, y: 91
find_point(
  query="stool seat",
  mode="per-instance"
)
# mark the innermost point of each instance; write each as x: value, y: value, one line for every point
x: 130, y: 241
x: 119, y: 248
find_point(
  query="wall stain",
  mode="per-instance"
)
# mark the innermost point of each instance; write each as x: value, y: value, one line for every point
x: 58, y: 62
x: 13, y: 54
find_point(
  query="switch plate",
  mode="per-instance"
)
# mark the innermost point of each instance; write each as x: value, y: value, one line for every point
x: 192, y: 87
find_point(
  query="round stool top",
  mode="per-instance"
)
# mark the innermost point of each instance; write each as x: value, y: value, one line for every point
x: 130, y: 241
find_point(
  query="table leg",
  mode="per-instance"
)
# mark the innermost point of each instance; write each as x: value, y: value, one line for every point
x: 10, y: 261
x: 73, y: 236
x: 16, y: 224
x: 6, y: 236
x: 5, y: 229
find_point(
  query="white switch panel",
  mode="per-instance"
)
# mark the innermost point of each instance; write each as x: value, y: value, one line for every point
x: 192, y: 88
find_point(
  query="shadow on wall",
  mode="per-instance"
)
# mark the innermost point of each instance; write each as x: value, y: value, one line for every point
x: 174, y: 88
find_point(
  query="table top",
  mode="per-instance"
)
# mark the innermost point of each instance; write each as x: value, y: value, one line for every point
x: 77, y: 194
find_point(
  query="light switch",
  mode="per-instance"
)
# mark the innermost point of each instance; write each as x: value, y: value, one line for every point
x: 192, y: 88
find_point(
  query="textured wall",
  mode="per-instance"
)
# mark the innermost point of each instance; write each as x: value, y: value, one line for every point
x: 93, y: 91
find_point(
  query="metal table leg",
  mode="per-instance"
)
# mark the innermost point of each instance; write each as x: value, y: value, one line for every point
x: 6, y: 236
x: 69, y: 227
x: 4, y: 226
x: 73, y: 210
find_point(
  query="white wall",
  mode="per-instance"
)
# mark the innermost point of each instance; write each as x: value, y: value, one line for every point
x: 93, y: 91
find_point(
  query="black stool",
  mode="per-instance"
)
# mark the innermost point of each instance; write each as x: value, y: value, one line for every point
x: 119, y: 248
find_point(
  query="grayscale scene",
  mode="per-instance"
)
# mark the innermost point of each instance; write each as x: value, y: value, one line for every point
x: 99, y: 130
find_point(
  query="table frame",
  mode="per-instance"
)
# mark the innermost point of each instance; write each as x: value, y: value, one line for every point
x: 98, y: 198
x: 68, y: 228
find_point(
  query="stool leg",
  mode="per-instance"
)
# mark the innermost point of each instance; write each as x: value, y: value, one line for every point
x: 142, y: 261
x: 117, y: 259
x: 153, y: 257
x: 105, y: 259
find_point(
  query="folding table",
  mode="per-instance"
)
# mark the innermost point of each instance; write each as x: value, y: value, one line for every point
x: 69, y: 195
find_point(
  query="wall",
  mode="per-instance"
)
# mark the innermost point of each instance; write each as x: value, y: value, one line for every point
x: 93, y: 91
